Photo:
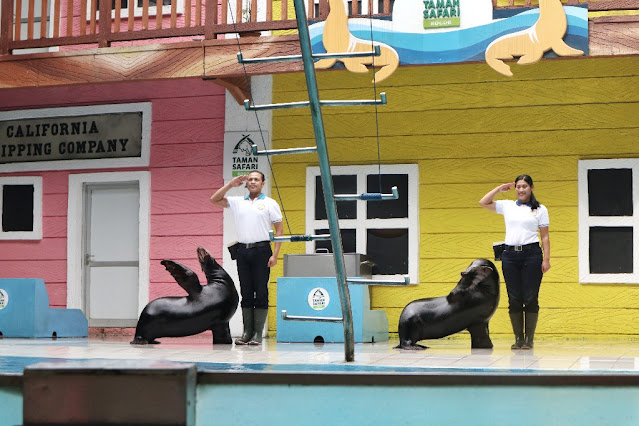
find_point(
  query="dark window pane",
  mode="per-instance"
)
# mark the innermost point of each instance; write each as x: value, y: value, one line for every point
x: 610, y: 250
x: 348, y: 241
x: 152, y: 3
x: 123, y: 4
x: 17, y: 208
x: 346, y: 184
x: 388, y: 249
x: 610, y: 192
x: 387, y: 209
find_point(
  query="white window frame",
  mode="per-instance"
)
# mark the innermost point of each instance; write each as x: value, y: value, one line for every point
x: 586, y: 221
x: 361, y: 224
x: 36, y: 181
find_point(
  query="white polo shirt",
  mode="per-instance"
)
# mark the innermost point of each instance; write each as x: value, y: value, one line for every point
x: 254, y: 218
x: 522, y: 223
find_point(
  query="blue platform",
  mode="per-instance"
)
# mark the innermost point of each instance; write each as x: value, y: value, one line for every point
x: 25, y: 312
x: 307, y: 296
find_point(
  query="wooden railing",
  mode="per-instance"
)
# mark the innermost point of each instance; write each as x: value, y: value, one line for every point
x: 72, y: 24
x: 77, y: 22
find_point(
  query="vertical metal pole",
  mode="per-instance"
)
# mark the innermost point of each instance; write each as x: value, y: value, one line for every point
x: 327, y: 181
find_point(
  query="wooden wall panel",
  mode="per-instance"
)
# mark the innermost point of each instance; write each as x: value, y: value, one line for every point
x: 469, y: 130
x: 448, y: 245
x: 55, y: 182
x: 188, y: 154
x: 524, y: 118
x: 473, y: 220
x: 459, y: 195
x: 488, y: 94
x: 54, y: 227
x: 48, y: 270
x: 559, y: 68
x: 183, y: 201
x: 179, y: 178
x: 113, y: 92
x: 586, y: 143
x: 46, y: 249
x: 188, y: 131
x: 192, y: 107
x: 196, y: 224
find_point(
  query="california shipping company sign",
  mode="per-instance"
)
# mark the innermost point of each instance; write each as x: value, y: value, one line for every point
x: 77, y: 137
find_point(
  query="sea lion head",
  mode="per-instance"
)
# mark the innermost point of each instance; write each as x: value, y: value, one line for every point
x: 481, y: 277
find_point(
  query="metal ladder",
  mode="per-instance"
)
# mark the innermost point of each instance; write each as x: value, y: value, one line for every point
x: 327, y: 182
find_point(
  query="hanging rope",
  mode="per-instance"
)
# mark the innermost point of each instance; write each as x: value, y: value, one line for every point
x: 257, y: 118
x: 379, y: 162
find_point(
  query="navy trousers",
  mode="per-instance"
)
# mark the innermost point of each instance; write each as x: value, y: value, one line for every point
x: 254, y: 273
x: 522, y: 273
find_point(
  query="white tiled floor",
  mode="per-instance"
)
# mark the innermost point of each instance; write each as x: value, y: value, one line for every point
x: 455, y: 353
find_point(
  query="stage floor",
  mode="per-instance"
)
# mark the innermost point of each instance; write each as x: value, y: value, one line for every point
x: 452, y: 354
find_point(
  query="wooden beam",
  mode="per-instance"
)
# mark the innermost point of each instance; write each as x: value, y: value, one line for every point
x: 238, y: 87
x: 211, y: 59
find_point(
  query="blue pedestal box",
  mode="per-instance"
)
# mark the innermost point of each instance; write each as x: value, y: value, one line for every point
x: 25, y: 312
x: 319, y: 297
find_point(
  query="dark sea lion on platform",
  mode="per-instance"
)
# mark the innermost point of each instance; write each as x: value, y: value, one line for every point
x: 207, y: 307
x: 469, y: 306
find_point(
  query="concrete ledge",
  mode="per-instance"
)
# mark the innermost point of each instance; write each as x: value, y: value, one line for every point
x: 109, y: 392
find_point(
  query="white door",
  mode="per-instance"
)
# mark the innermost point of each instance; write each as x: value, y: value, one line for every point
x: 111, y: 254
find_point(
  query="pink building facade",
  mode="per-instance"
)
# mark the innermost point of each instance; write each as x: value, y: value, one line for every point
x: 87, y: 255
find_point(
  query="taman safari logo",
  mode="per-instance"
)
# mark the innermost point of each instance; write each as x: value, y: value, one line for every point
x: 441, y: 13
x: 243, y: 159
x: 4, y: 299
x: 318, y: 298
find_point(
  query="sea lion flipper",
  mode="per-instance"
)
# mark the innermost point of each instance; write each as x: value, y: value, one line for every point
x: 186, y: 278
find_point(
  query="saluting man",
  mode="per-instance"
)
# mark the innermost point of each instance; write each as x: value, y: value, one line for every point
x: 255, y: 215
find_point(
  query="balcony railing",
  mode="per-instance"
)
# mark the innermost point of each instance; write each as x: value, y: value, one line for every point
x: 73, y: 24
x: 77, y: 22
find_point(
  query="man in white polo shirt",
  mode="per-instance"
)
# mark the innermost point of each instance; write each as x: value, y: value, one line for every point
x: 255, y: 215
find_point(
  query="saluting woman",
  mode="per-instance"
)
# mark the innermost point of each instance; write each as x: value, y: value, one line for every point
x: 523, y: 261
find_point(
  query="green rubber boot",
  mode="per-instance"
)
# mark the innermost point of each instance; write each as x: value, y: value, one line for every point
x: 258, y: 326
x: 247, y: 319
x: 517, y: 321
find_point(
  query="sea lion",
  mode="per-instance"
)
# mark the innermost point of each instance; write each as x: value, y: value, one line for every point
x: 469, y: 306
x: 531, y: 44
x: 208, y: 307
x: 338, y: 39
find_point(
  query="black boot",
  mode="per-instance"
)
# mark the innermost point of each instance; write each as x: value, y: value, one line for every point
x: 258, y: 326
x: 531, y: 325
x: 517, y: 321
x: 247, y: 319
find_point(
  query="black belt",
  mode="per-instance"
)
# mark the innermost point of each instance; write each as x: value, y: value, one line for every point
x: 252, y: 245
x: 522, y: 248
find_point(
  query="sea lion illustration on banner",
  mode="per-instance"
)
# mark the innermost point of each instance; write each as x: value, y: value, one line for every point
x: 531, y: 44
x: 338, y: 39
x: 207, y: 307
x: 469, y: 306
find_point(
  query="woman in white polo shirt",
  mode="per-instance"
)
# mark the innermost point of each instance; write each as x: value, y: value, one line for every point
x: 523, y: 261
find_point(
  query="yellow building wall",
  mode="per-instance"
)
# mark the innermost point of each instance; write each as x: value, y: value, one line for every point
x: 469, y: 129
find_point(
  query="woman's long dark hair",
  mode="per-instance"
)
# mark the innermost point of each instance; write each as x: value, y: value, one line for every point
x: 534, y: 204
